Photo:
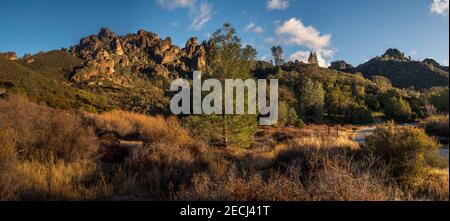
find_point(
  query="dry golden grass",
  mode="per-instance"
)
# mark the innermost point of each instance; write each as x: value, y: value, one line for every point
x: 47, y: 154
x: 435, y: 186
x: 39, y: 133
x: 140, y: 127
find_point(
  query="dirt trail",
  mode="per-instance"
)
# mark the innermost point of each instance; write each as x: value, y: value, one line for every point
x: 361, y: 134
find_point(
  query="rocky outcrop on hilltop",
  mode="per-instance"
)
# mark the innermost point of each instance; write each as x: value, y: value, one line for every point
x: 394, y: 54
x: 404, y: 72
x: 340, y: 65
x: 12, y: 56
x: 108, y: 56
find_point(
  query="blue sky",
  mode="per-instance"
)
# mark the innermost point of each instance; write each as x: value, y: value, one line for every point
x: 352, y: 30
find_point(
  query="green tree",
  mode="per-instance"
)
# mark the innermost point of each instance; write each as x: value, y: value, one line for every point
x: 439, y: 98
x: 226, y: 59
x: 287, y: 115
x: 277, y: 53
x: 338, y: 99
x: 313, y: 59
x: 398, y: 109
x: 358, y: 114
x: 312, y: 99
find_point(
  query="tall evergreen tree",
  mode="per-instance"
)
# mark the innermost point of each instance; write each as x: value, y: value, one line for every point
x: 227, y: 59
x: 313, y: 59
x: 277, y: 53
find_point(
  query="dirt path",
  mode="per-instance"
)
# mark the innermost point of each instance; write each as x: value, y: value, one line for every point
x: 361, y: 134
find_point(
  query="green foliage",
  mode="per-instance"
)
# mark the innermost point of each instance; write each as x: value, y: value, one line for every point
x: 146, y: 98
x: 287, y: 115
x: 373, y: 103
x: 312, y: 99
x: 407, y: 151
x: 300, y: 123
x: 383, y: 84
x: 437, y: 125
x: 54, y: 64
x: 338, y: 99
x: 43, y: 89
x: 404, y: 73
x: 398, y: 109
x: 277, y: 53
x: 439, y: 98
x: 226, y: 60
x: 358, y: 114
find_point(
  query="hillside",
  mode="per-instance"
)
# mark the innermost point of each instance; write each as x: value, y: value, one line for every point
x: 404, y: 72
x: 45, y: 88
x: 54, y: 64
x: 99, y: 127
x: 133, y: 72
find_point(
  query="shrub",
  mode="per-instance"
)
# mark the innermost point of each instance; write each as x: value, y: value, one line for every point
x: 287, y: 115
x: 398, y: 109
x: 405, y: 150
x: 46, y: 155
x: 436, y: 125
x: 358, y: 114
x: 41, y: 133
x: 438, y: 97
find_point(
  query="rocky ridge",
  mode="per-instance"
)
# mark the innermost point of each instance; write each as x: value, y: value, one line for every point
x: 340, y: 65
x: 109, y: 57
x: 12, y: 56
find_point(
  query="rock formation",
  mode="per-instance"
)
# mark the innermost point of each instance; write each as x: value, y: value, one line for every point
x: 28, y: 58
x: 12, y: 56
x: 431, y: 62
x: 340, y: 65
x: 107, y: 54
x: 394, y: 54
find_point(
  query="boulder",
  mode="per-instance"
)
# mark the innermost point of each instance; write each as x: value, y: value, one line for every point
x: 12, y: 56
x: 340, y: 65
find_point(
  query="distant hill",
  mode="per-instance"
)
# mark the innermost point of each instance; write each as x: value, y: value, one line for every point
x: 55, y: 64
x: 46, y: 87
x: 404, y: 72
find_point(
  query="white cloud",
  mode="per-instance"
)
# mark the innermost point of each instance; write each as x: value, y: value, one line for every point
x: 445, y: 62
x: 269, y: 40
x: 324, y: 56
x: 440, y: 7
x: 265, y: 58
x: 294, y: 32
x: 172, y: 4
x: 414, y: 53
x: 277, y: 4
x: 252, y: 27
x: 202, y: 14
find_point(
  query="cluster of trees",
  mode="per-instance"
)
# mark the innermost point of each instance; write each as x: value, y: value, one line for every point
x: 309, y: 93
x: 317, y: 92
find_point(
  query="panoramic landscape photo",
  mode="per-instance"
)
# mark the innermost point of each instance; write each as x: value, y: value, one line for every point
x: 214, y: 100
